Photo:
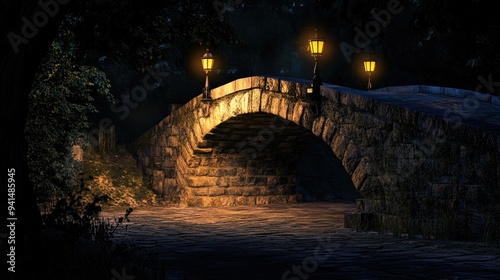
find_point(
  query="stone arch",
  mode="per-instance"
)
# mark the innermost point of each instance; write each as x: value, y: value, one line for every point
x: 205, y: 180
x: 170, y: 152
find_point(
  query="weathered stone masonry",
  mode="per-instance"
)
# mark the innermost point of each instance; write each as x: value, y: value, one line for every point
x: 406, y: 161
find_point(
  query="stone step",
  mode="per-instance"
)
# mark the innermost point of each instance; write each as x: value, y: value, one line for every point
x: 201, y: 151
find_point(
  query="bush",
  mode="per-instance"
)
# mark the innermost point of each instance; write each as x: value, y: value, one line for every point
x: 79, y: 217
x: 76, y: 243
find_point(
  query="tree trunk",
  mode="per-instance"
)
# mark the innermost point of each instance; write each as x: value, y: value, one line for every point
x: 26, y: 35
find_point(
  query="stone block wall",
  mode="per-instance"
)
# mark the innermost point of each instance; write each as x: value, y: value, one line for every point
x: 423, y: 175
x: 157, y: 152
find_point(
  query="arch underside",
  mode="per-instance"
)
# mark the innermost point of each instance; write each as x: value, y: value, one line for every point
x: 261, y: 158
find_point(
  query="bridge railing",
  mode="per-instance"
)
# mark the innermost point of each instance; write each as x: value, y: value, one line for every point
x: 291, y: 86
x: 452, y: 92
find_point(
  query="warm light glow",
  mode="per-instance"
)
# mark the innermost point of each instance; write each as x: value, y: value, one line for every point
x: 316, y: 45
x: 369, y: 66
x: 207, y: 61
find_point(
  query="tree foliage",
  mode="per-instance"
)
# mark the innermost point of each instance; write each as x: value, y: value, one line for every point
x: 137, y: 32
x: 462, y: 36
x: 60, y: 107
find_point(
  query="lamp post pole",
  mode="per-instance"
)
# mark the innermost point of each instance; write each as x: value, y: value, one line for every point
x: 369, y: 86
x: 206, y: 89
x: 369, y: 69
x: 207, y: 61
x: 316, y: 82
x: 316, y: 47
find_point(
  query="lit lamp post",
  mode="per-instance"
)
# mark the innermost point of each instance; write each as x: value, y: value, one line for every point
x: 207, y: 61
x: 316, y: 48
x: 369, y: 68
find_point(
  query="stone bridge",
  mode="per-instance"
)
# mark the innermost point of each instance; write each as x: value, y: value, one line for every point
x: 415, y: 158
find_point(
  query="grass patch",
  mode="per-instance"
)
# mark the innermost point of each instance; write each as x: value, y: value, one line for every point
x: 117, y: 176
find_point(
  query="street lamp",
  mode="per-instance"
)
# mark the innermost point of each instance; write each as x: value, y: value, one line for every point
x: 316, y: 48
x: 207, y: 62
x: 369, y: 68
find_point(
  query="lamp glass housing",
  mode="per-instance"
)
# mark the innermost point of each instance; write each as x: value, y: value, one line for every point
x: 316, y: 46
x: 207, y: 61
x: 369, y: 66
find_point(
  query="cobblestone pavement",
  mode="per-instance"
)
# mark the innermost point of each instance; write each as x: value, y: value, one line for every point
x: 293, y: 241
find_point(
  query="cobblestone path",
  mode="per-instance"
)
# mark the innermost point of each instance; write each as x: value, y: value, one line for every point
x: 292, y: 241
